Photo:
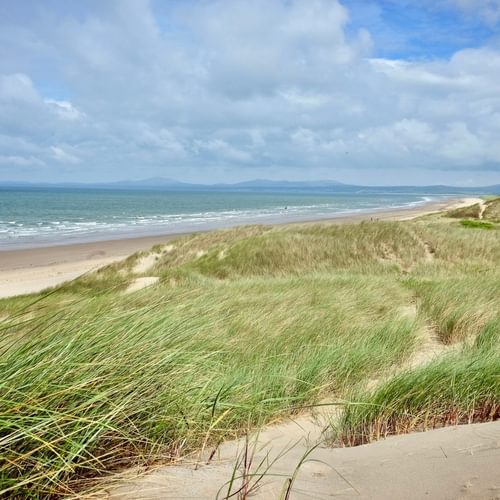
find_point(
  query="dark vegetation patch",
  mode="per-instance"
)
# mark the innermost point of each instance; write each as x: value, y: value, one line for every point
x: 492, y: 210
x: 470, y: 212
x: 477, y: 224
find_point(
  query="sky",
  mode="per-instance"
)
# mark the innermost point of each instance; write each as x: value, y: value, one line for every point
x: 363, y: 92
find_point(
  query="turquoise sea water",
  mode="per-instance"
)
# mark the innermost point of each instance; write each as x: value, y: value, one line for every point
x: 43, y: 216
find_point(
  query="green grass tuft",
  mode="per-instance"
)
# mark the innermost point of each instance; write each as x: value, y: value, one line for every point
x: 477, y: 224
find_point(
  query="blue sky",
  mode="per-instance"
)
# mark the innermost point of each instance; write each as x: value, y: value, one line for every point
x: 367, y: 92
x: 423, y: 29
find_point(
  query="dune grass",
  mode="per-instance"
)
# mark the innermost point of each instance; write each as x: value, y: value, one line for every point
x: 244, y: 326
x: 469, y: 212
x: 492, y: 210
x: 462, y: 387
x: 87, y: 385
x: 458, y: 307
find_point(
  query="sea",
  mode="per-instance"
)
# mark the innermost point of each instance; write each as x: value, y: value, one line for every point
x: 37, y: 217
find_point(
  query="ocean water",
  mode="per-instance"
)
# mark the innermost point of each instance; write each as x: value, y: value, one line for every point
x: 45, y: 216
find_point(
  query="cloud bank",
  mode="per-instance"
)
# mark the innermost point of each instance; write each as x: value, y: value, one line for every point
x: 230, y: 90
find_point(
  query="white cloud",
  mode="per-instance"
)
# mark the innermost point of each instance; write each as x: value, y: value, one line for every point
x: 64, y: 109
x: 268, y: 84
x: 23, y: 161
x: 17, y: 87
x: 486, y: 10
x: 222, y: 150
x: 305, y: 99
x: 63, y: 156
x: 159, y: 141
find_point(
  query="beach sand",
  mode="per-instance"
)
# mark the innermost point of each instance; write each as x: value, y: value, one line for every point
x: 460, y: 462
x: 34, y: 269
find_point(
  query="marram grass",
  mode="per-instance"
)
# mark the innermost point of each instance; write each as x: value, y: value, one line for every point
x: 460, y: 388
x: 244, y: 325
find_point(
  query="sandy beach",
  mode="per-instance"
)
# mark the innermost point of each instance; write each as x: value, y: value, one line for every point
x: 34, y: 269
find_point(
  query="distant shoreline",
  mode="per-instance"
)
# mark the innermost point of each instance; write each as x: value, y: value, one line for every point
x: 32, y: 269
x: 134, y: 227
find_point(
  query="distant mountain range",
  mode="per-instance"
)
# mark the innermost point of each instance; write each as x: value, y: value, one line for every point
x: 160, y: 183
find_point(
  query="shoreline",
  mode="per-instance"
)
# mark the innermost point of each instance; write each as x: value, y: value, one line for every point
x: 33, y: 269
x: 147, y: 231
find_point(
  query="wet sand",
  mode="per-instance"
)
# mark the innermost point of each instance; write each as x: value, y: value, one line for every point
x: 34, y: 269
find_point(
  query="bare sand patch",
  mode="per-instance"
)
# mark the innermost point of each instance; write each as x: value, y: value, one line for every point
x: 430, y: 347
x: 140, y: 283
x: 200, y: 253
x: 145, y: 263
x: 482, y: 208
x: 448, y: 463
x: 465, y: 202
